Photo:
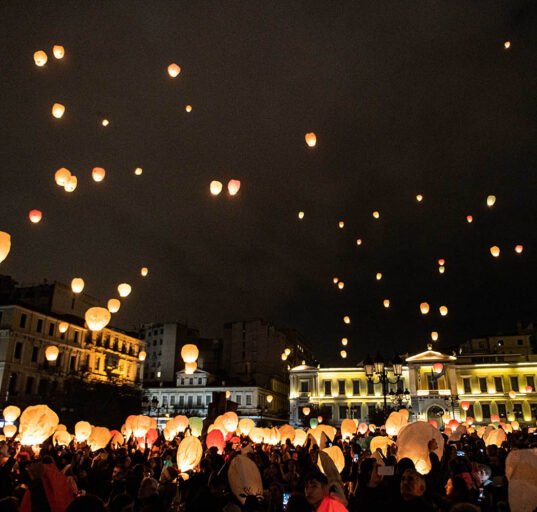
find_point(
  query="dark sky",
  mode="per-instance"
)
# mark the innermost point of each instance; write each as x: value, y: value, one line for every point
x: 405, y: 98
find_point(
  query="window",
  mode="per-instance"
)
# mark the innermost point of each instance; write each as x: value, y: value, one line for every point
x: 304, y: 386
x: 75, y: 337
x: 530, y: 381
x: 72, y: 363
x: 520, y: 342
x: 467, y: 384
x: 13, y: 383
x: 502, y: 411
x: 432, y: 382
x: 486, y: 411
x: 0, y: 317
x: 483, y: 385
x: 39, y: 327
x: 207, y: 399
x: 35, y: 353
x: 470, y: 411
x: 190, y: 401
x: 238, y: 399
x: 22, y: 323
x: 172, y: 400
x: 248, y: 399
x: 370, y: 388
x: 342, y: 412
x: 327, y: 387
x: 182, y: 380
x: 181, y: 401
x: 341, y: 387
x: 18, y: 350
x: 355, y: 387
x: 517, y: 411
x: 29, y: 385
x: 200, y: 381
x: 371, y: 411
x: 198, y: 400
x: 51, y: 329
x: 498, y: 383
x: 160, y: 342
x: 514, y: 384
x: 191, y: 381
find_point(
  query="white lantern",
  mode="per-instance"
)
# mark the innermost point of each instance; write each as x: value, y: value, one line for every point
x: 144, y: 271
x: 97, y: 318
x: 113, y: 305
x: 52, y: 352
x: 58, y: 110
x: 124, y: 289
x: 77, y: 285
x: 11, y: 413
x: 58, y: 51
x: 174, y: 70
x: 215, y: 187
x: 491, y: 200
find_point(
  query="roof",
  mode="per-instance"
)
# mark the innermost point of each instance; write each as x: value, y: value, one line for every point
x: 303, y: 368
x: 430, y: 356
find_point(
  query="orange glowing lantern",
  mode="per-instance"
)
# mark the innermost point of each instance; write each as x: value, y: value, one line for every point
x: 441, y: 261
x: 77, y: 285
x: 188, y: 108
x: 215, y: 187
x: 443, y: 310
x: 438, y: 367
x: 98, y: 174
x: 40, y: 58
x: 61, y: 176
x: 376, y: 215
x: 341, y: 224
x: 124, y: 289
x: 97, y: 318
x: 512, y: 394
x: 495, y: 251
x: 142, y: 355
x: 138, y: 171
x: 343, y: 354
x: 51, y: 353
x: 11, y: 413
x: 453, y: 425
x: 62, y: 327
x: 58, y: 110
x: 528, y: 389
x: 465, y: 405
x: 311, y: 139
x: 359, y: 241
x: 233, y: 187
x: 35, y: 216
x: 347, y: 320
x: 105, y: 122
x: 507, y: 45
x: 335, y: 280
x: 71, y: 184
x: 113, y: 305
x: 386, y: 303
x: 189, y: 353
x: 306, y: 411
x: 190, y: 368
x: 424, y: 308
x: 469, y: 219
x: 174, y: 70
x: 341, y: 285
x: 434, y: 336
x: 5, y: 245
x: 519, y: 248
x: 419, y: 198
x: 144, y: 271
x: 344, y: 341
x: 59, y: 51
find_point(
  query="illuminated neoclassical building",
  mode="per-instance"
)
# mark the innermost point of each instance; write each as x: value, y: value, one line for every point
x: 493, y: 378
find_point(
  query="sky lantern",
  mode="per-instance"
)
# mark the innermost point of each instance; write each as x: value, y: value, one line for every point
x: 5, y: 245
x: 40, y: 58
x: 335, y: 280
x: 98, y: 174
x: 306, y: 411
x: 138, y: 171
x: 62, y: 327
x: 378, y: 276
x: 99, y: 438
x: 97, y: 318
x: 453, y: 425
x: 386, y: 303
x: 215, y: 438
x: 443, y: 310
x: 113, y: 305
x: 52, y: 352
x: 341, y: 224
x: 284, y: 356
x: 189, y: 454
x: 344, y: 341
x: 71, y: 184
x: 215, y: 187
x: 519, y: 248
x: 441, y: 269
x: 37, y: 423
x: 424, y: 308
x: 419, y: 198
x: 512, y: 394
x: 105, y: 122
x: 11, y: 413
x: 495, y: 251
x: 35, y: 216
x: 395, y: 422
x: 61, y: 176
x: 77, y: 285
x: 144, y: 271
x: 300, y: 215
x: 311, y: 139
x: 230, y: 419
x: 189, y: 353
x: 515, y: 425
x: 190, y: 368
x: 142, y: 355
x: 358, y: 241
x: 441, y: 261
x: 465, y: 405
x: 124, y: 289
x: 10, y: 431
x: 341, y: 285
x: 469, y: 420
x: 174, y: 70
x: 347, y: 319
x: 413, y: 442
x: 58, y: 110
x: 434, y: 336
x: 376, y: 215
x: 82, y: 431
x: 343, y: 354
x: 491, y: 200
x: 188, y: 108
x: 58, y: 51
x: 507, y: 45
x: 287, y: 351
x: 528, y: 389
x: 438, y: 367
x: 233, y: 187
x: 469, y: 219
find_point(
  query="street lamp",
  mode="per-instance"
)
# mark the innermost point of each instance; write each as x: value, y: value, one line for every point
x: 378, y: 369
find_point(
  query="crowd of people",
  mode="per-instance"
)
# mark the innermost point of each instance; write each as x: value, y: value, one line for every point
x: 135, y: 478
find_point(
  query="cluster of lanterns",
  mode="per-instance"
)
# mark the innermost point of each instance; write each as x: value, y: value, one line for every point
x: 233, y: 187
x: 65, y: 179
x: 41, y: 57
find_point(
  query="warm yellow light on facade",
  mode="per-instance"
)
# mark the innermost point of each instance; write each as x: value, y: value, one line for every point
x: 51, y: 353
x: 215, y: 187
x: 311, y: 139
x: 97, y: 318
x: 59, y: 51
x: 40, y: 58
x: 58, y: 110
x: 77, y: 285
x: 233, y: 187
x: 443, y: 310
x: 424, y: 308
x: 495, y: 251
x: 98, y: 174
x: 174, y: 70
x: 124, y: 289
x: 113, y: 305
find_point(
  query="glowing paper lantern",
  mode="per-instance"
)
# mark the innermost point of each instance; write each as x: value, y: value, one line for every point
x: 343, y: 354
x: 438, y: 367
x: 300, y: 437
x: 335, y: 280
x: 441, y: 269
x: 62, y: 327
x: 378, y: 276
x: 174, y: 70
x: 469, y: 420
x: 465, y: 405
x: 363, y: 428
x: 376, y: 215
x: 419, y: 198
x: 215, y: 187
x: 5, y: 245
x: 11, y: 413
x: 245, y: 426
x: 124, y: 289
x: 491, y: 200
x: 99, y: 438
x: 528, y: 389
x: 284, y: 357
x: 144, y: 271
x: 341, y: 224
x: 142, y: 355
x: 519, y: 248
x: 395, y: 422
x: 77, y: 285
x: 359, y: 241
x: 507, y: 45
x: 58, y: 110
x: 495, y: 251
x: 344, y: 341
x: 386, y: 303
x: 190, y: 368
x: 286, y: 432
x: 434, y: 336
x: 139, y: 425
x: 515, y: 425
x: 188, y: 108
x: 424, y: 308
x: 52, y: 352
x: 341, y: 285
x: 117, y: 439
x: 10, y: 430
x: 189, y: 353
x: 300, y: 215
x: 347, y: 319
x: 138, y: 171
x: 348, y: 428
x: 337, y: 457
x: 230, y: 421
x: 306, y: 411
x: 97, y: 318
x: 233, y: 187
x: 244, y: 478
x: 443, y: 310
x: 105, y: 122
x: 287, y: 351
x: 495, y: 418
x: 412, y: 442
x: 495, y: 436
x: 71, y: 184
x: 37, y: 423
x: 98, y: 174
x: 512, y: 394
x: 40, y: 58
x: 469, y: 219
x: 58, y: 51
x: 35, y: 216
x: 453, y: 425
x: 61, y: 176
x: 382, y: 442
x: 189, y: 453
x: 215, y: 438
x: 113, y: 305
x: 520, y: 470
x: 311, y: 139
x: 181, y: 423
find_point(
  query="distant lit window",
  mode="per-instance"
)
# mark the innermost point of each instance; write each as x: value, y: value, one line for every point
x: 498, y: 383
x: 248, y: 399
x: 483, y: 385
x: 514, y: 384
x: 304, y: 386
x: 327, y: 387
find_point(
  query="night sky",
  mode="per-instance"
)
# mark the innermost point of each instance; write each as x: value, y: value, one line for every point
x: 406, y: 98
